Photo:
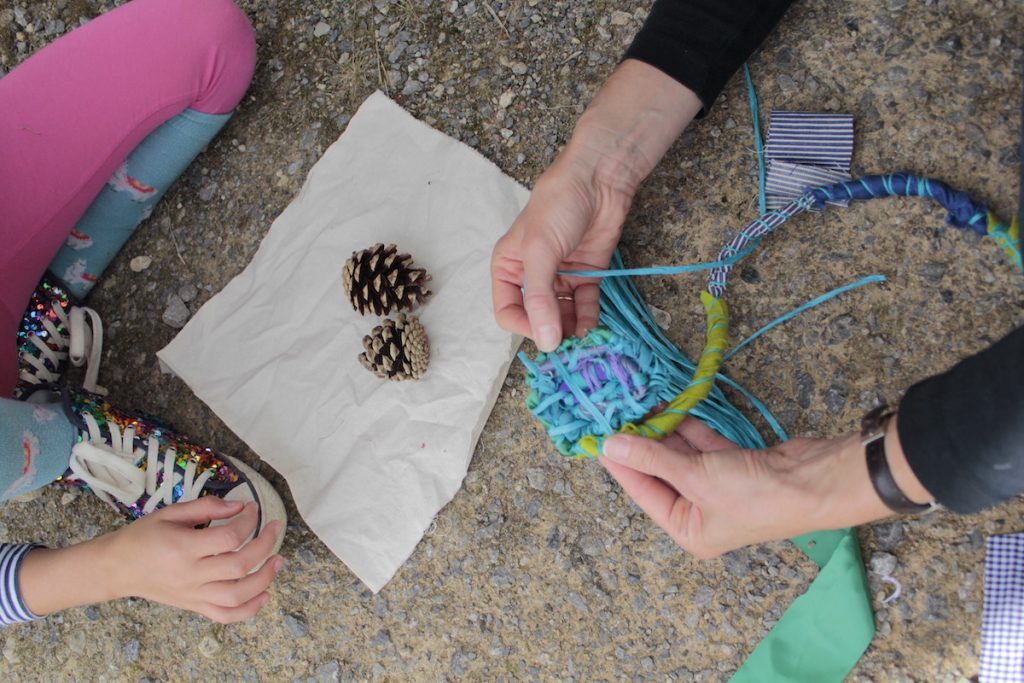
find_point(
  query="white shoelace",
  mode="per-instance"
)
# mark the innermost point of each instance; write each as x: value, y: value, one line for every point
x: 110, y: 470
x: 83, y: 345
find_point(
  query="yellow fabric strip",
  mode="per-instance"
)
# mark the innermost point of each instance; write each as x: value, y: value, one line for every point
x: 1006, y: 237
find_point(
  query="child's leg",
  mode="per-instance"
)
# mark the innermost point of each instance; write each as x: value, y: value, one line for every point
x: 130, y: 195
x: 73, y: 112
x: 41, y: 436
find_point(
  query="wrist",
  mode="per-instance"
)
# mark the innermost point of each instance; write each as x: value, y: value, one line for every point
x: 847, y: 496
x: 55, y: 579
x: 632, y: 121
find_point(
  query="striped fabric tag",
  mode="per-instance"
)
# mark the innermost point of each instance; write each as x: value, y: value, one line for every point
x: 806, y: 150
x: 786, y: 182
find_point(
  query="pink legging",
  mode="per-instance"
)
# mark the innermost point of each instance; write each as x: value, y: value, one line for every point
x: 71, y: 114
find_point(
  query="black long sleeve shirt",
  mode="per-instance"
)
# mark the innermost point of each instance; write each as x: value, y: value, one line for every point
x: 962, y: 431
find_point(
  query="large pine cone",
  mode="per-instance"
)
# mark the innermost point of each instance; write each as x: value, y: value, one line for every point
x: 397, y: 349
x: 380, y: 280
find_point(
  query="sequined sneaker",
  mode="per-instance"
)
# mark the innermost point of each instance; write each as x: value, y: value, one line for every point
x: 138, y: 466
x: 53, y: 330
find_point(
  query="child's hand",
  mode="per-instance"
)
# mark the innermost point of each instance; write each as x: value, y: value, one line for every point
x: 163, y: 558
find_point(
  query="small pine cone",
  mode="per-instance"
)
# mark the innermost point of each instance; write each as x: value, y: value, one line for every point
x: 381, y: 280
x: 397, y: 349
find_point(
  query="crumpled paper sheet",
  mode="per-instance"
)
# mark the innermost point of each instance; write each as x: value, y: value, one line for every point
x: 275, y: 354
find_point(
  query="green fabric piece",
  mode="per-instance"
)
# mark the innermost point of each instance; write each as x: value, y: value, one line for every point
x: 826, y: 630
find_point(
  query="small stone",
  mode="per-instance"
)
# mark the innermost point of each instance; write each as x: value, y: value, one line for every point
x: 67, y: 498
x: 296, y: 624
x: 321, y: 29
x: 883, y: 564
x: 140, y: 263
x: 328, y: 673
x: 458, y: 663
x: 841, y: 328
x: 576, y: 600
x: 933, y: 271
x: 501, y: 578
x: 75, y: 642
x: 188, y: 292
x: 591, y: 545
x: 737, y: 562
x: 397, y: 53
x: 209, y: 646
x: 207, y: 191
x: 309, y: 138
x: 702, y: 598
x: 620, y: 18
x: 804, y: 389
x: 506, y: 99
x: 661, y: 317
x: 519, y: 69
x: 750, y: 275
x: 835, y: 397
x: 536, y: 478
x: 130, y: 650
x: 936, y: 608
x: 176, y: 314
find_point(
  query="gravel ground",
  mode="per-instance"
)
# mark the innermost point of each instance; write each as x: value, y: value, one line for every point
x: 540, y: 569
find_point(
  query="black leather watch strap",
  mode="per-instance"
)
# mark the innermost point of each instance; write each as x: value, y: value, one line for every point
x: 873, y: 431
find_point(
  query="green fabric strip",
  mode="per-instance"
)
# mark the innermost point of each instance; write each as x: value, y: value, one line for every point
x: 826, y: 630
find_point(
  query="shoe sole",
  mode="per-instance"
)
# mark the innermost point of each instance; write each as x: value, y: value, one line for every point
x: 271, y: 505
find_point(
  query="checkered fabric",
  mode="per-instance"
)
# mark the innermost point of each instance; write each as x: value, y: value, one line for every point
x: 1002, y: 625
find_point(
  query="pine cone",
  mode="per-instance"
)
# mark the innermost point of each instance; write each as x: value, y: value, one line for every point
x: 379, y: 279
x: 397, y: 349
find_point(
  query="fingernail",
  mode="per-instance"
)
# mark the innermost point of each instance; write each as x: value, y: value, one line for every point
x: 278, y: 565
x: 548, y: 338
x: 616, y: 448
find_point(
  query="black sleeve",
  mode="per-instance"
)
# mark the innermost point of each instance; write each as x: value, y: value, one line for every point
x: 963, y: 431
x: 701, y: 43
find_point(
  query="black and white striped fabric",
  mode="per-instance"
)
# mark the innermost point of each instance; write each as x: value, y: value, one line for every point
x: 806, y: 150
x: 12, y: 608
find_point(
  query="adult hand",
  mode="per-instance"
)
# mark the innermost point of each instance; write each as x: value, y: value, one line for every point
x: 574, y: 217
x: 162, y: 557
x: 712, y: 497
x: 572, y: 222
